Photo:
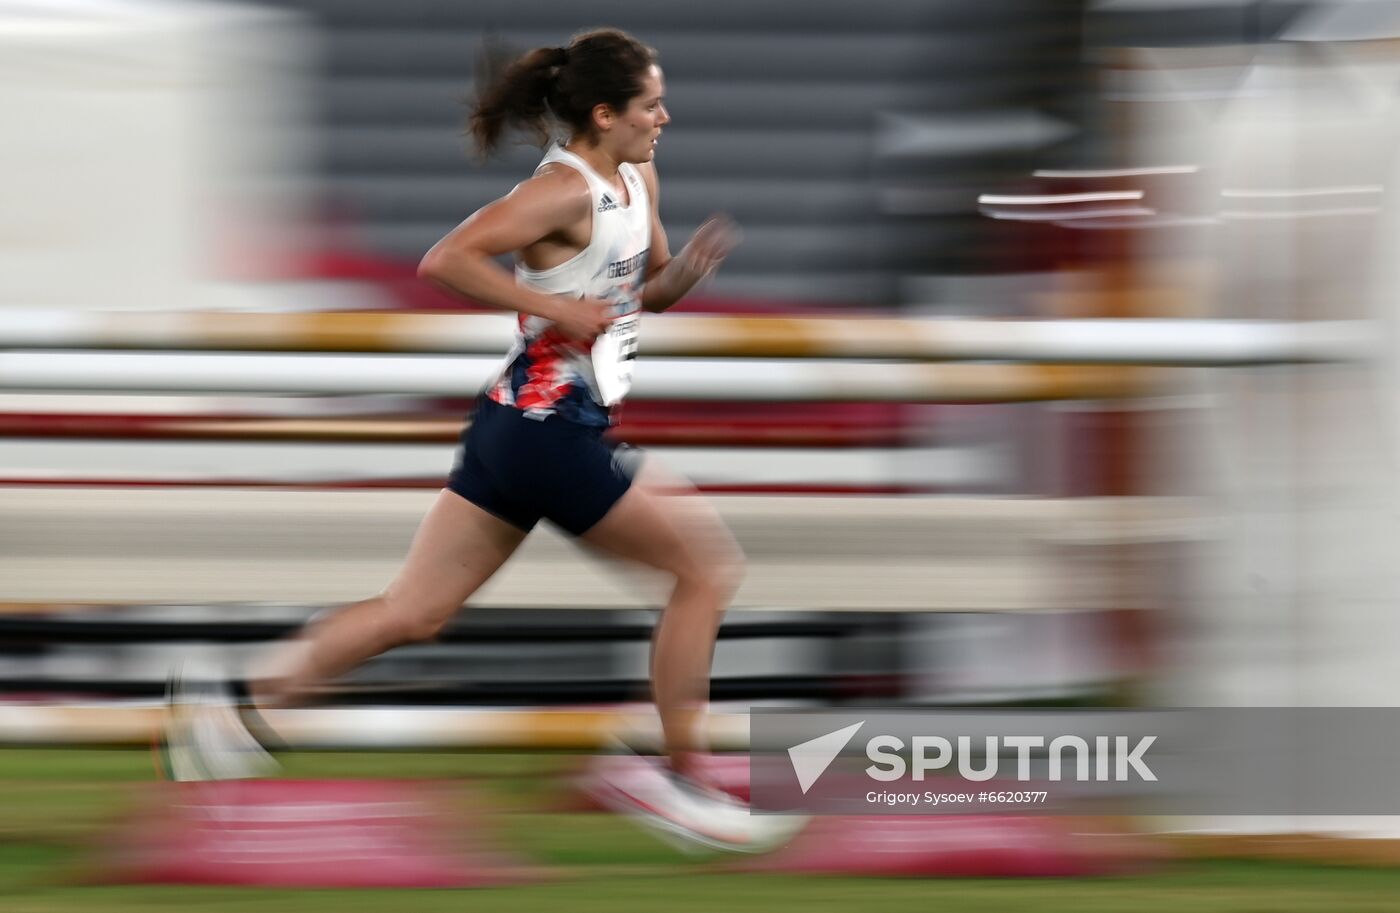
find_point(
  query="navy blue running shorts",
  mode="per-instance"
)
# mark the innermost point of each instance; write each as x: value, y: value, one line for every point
x: 522, y: 468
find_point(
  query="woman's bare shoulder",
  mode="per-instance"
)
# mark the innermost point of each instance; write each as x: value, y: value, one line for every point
x: 552, y: 197
x: 558, y: 182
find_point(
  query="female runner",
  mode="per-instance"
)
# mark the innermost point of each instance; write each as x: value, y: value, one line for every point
x: 590, y: 255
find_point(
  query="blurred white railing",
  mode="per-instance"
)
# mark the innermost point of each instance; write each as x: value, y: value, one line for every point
x: 1116, y: 341
x: 734, y: 380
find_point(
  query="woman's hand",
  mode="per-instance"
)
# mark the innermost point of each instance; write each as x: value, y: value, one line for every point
x: 706, y: 250
x: 673, y: 278
x: 583, y: 319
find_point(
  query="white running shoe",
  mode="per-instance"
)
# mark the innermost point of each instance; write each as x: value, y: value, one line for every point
x: 205, y: 737
x: 688, y: 815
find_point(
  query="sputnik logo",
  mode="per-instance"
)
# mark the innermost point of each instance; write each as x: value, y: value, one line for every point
x: 811, y: 758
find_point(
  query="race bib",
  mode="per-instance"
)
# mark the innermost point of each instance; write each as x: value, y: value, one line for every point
x: 614, y: 353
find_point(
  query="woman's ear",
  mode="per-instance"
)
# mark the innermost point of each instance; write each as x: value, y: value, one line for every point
x: 603, y: 117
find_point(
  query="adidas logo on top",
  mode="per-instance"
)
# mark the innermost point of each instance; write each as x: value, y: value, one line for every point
x: 607, y: 203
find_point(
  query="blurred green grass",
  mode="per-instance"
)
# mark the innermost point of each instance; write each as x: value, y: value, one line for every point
x: 55, y: 803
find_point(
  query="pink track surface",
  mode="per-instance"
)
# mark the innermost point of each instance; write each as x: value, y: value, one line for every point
x: 305, y: 833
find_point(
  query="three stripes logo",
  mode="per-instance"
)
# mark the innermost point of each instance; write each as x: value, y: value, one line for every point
x: 607, y: 203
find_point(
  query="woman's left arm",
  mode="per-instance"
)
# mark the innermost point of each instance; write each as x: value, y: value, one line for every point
x: 669, y: 278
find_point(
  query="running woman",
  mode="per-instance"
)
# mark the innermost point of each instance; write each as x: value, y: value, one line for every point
x: 590, y: 255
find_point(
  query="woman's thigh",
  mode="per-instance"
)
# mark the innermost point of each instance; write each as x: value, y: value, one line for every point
x: 457, y: 548
x: 662, y: 521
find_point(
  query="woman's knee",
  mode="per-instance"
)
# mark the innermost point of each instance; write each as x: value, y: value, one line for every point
x: 731, y: 566
x: 719, y: 569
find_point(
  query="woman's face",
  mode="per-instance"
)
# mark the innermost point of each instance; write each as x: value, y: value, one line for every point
x: 635, y: 130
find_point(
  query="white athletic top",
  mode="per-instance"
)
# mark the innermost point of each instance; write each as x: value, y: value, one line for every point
x: 546, y: 375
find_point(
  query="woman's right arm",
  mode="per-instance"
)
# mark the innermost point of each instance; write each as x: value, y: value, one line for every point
x: 463, y: 262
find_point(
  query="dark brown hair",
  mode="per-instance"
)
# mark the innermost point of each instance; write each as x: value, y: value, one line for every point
x: 529, y: 91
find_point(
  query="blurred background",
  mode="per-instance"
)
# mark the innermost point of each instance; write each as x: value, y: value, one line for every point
x: 1057, y: 366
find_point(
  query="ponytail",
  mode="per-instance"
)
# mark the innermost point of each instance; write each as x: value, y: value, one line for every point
x: 516, y: 94
x: 533, y: 91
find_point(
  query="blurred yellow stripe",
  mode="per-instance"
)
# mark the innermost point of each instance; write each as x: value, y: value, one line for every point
x: 370, y: 727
